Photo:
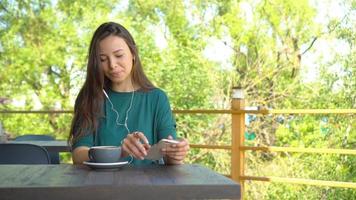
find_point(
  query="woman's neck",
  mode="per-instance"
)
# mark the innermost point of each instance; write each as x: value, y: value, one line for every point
x: 126, y: 86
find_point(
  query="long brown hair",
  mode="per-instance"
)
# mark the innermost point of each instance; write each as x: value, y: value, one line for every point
x: 89, y: 103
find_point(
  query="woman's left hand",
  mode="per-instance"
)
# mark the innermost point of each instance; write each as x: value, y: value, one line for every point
x: 175, y: 153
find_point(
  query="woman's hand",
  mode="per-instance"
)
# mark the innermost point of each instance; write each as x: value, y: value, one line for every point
x: 175, y: 153
x: 135, y: 144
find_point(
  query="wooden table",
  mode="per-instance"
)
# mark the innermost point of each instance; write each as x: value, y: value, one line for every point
x: 50, y: 145
x: 77, y: 182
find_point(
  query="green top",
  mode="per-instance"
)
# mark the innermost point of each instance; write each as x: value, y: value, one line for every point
x: 150, y: 114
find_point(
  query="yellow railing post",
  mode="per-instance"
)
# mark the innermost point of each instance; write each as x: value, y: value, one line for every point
x: 238, y: 137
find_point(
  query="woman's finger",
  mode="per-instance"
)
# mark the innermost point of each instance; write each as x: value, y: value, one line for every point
x: 182, y: 143
x: 134, y: 148
x: 177, y: 158
x: 135, y: 140
x: 126, y: 150
x: 176, y: 154
x: 181, y: 147
x: 141, y: 136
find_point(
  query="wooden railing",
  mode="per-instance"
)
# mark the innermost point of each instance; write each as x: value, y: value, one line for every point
x: 238, y: 148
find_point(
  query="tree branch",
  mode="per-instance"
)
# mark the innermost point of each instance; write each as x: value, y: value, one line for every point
x: 4, y: 8
x: 330, y: 31
x: 310, y: 45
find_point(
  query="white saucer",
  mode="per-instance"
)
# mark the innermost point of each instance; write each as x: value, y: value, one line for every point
x: 114, y: 165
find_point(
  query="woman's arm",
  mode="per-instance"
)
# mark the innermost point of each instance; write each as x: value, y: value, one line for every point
x: 80, y: 154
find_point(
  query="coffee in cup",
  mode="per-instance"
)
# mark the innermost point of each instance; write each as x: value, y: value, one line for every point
x: 104, y: 154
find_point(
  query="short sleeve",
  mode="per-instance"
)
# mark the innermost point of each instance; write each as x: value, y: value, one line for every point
x: 86, y: 140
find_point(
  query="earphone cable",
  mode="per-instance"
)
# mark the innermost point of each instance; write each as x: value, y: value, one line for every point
x: 117, y: 113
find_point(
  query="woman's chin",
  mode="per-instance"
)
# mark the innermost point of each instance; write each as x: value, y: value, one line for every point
x: 117, y: 80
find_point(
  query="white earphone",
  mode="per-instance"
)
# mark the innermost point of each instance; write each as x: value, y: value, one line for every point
x: 105, y: 94
x: 117, y: 113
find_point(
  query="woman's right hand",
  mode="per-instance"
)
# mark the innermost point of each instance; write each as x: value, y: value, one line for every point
x: 136, y: 145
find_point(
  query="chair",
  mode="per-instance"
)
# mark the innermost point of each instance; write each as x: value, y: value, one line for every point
x: 53, y: 155
x: 23, y: 154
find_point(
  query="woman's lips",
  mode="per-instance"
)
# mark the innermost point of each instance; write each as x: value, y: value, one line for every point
x: 115, y: 74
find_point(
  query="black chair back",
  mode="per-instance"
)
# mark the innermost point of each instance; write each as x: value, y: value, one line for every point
x: 53, y: 155
x: 23, y: 154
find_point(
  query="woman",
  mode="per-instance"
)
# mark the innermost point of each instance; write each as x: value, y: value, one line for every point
x: 118, y: 105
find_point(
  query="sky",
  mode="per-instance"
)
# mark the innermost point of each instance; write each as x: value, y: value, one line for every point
x: 325, y: 49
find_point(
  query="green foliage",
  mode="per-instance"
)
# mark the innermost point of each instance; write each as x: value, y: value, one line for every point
x: 43, y: 51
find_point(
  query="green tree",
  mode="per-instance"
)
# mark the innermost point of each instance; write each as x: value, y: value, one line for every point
x: 43, y: 49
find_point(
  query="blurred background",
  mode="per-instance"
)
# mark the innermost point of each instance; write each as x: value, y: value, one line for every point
x: 284, y: 54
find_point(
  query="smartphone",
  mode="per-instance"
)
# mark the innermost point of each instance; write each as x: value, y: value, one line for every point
x: 155, y: 151
x: 169, y: 141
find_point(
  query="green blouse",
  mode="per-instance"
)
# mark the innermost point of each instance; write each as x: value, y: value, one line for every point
x: 150, y: 114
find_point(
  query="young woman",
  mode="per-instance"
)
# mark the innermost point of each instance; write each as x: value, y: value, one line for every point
x: 118, y: 105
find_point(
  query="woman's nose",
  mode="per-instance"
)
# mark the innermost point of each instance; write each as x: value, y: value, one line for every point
x: 112, y: 63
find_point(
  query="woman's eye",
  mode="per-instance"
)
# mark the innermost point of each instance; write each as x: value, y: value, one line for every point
x: 118, y: 56
x: 102, y: 59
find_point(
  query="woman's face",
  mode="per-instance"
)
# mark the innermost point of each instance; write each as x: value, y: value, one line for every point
x: 116, y: 60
